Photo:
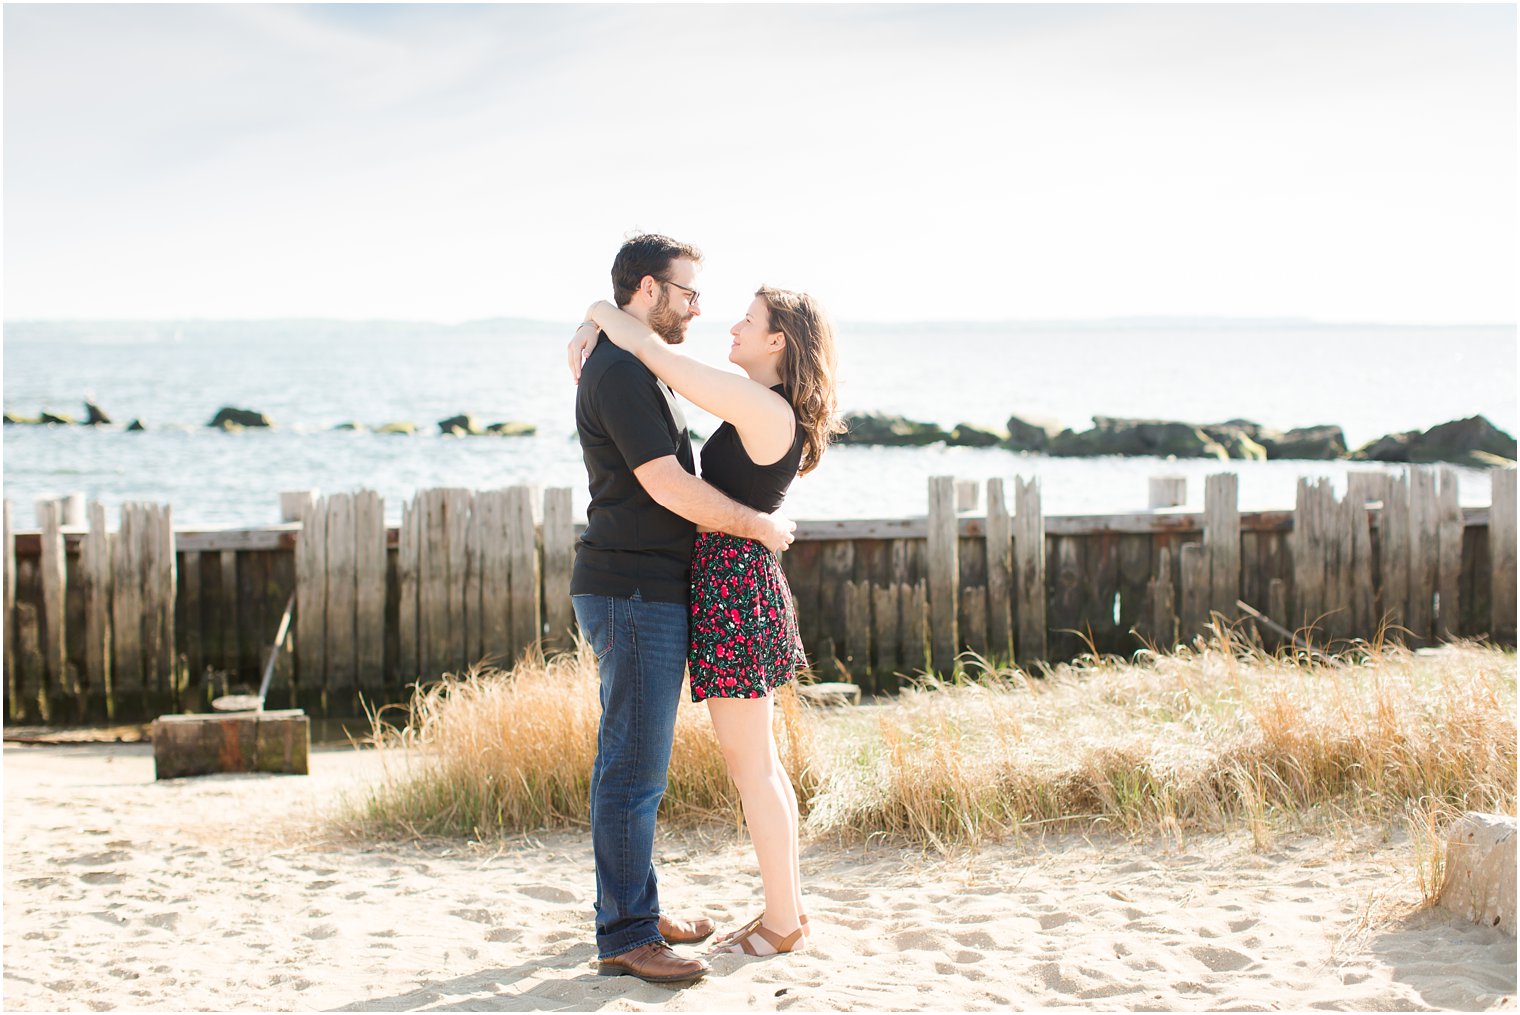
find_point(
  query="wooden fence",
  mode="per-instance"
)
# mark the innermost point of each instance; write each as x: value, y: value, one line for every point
x: 146, y: 619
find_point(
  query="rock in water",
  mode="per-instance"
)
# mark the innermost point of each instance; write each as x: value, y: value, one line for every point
x: 407, y: 428
x: 1316, y: 443
x: 1161, y: 438
x: 351, y: 425
x: 228, y: 418
x: 136, y: 426
x: 892, y: 431
x: 95, y: 415
x: 1457, y: 440
x: 460, y: 426
x: 512, y: 429
x: 967, y: 436
x: 1027, y: 433
x: 56, y: 418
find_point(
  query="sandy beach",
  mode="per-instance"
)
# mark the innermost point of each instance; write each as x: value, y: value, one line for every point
x: 228, y: 892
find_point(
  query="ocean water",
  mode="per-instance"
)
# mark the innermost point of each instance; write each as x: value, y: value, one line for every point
x: 310, y: 376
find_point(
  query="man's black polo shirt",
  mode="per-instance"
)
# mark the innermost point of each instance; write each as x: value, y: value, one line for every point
x: 626, y: 417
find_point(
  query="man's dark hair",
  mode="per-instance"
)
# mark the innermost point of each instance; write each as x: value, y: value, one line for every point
x: 649, y: 254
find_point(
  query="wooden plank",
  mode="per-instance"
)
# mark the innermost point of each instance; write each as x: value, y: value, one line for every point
x: 1029, y: 584
x: 166, y: 570
x: 901, y: 551
x: 496, y: 564
x: 1335, y: 545
x: 126, y: 608
x: 1134, y: 576
x: 276, y: 741
x: 433, y: 606
x: 472, y: 616
x: 13, y: 709
x: 1475, y: 604
x: 457, y: 503
x: 194, y: 616
x: 1393, y: 555
x: 559, y: 558
x: 1195, y: 591
x: 338, y: 616
x: 370, y: 564
x: 1167, y: 491
x: 857, y: 633
x: 523, y: 547
x: 1101, y: 566
x: 1277, y: 606
x: 944, y: 574
x: 1308, y: 554
x: 973, y: 619
x: 1448, y: 556
x: 293, y: 503
x: 967, y: 492
x: 1162, y: 603
x: 408, y: 556
x: 1221, y: 541
x: 914, y: 600
x: 1067, y: 619
x: 800, y: 564
x: 1362, y: 489
x: 836, y: 562
x: 999, y: 574
x: 32, y: 704
x: 1424, y: 552
x: 886, y: 635
x: 54, y: 593
x: 311, y: 598
x: 1501, y: 557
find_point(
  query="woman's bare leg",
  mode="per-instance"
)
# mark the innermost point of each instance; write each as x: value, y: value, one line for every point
x: 744, y: 729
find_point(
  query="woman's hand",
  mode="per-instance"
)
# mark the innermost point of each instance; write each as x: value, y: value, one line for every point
x: 622, y: 328
x: 580, y: 347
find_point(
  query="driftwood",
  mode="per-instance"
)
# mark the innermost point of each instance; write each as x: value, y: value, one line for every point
x: 237, y: 742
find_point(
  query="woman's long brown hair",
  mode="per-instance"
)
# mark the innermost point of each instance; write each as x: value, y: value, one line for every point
x: 807, y: 368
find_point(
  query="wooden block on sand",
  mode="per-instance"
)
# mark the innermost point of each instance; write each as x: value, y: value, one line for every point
x: 276, y: 741
x: 1480, y: 870
x: 830, y: 694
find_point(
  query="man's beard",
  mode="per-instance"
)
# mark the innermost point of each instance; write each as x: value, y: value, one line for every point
x: 668, y: 323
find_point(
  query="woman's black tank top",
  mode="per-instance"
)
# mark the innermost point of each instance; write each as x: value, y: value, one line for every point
x: 727, y: 466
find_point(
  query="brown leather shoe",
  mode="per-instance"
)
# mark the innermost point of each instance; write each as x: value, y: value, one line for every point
x: 685, y: 932
x: 655, y: 963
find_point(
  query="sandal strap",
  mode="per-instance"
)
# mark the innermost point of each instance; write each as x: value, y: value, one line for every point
x: 776, y: 941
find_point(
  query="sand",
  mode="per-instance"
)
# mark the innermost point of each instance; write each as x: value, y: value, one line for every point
x: 226, y: 892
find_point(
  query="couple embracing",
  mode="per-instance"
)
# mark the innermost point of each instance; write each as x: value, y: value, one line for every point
x: 675, y: 570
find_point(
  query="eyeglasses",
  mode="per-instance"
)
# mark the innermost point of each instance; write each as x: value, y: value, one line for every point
x: 696, y: 297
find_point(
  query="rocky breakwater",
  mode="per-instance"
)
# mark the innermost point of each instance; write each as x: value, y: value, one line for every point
x: 1473, y: 442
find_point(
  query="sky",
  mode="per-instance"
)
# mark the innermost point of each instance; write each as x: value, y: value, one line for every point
x: 901, y: 162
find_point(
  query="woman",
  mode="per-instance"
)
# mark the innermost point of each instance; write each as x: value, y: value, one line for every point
x: 744, y: 640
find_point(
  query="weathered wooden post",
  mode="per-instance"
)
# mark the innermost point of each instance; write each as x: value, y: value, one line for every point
x: 527, y: 625
x: 1393, y: 553
x: 1031, y: 641
x: 1363, y: 489
x: 1167, y: 491
x: 13, y: 710
x: 1501, y: 556
x: 1195, y: 591
x: 495, y: 576
x: 293, y: 504
x: 54, y: 595
x: 999, y: 574
x: 1307, y: 540
x: 944, y: 573
x: 1162, y: 597
x: 311, y: 604
x: 559, y: 557
x: 1424, y: 551
x: 857, y: 633
x: 370, y: 560
x: 967, y: 492
x: 1448, y: 555
x: 95, y: 572
x: 338, y: 613
x: 1221, y: 541
x: 408, y: 571
x: 886, y: 634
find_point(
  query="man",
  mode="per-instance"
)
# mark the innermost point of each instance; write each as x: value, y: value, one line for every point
x: 629, y: 587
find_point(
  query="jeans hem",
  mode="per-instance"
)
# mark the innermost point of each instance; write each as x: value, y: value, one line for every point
x: 637, y: 944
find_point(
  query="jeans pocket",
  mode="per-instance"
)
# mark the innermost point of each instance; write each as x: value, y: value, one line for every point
x: 595, y: 617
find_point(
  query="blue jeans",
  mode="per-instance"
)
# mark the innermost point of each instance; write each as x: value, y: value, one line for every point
x: 641, y: 658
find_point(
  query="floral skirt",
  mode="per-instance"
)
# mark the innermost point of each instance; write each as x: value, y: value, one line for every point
x: 744, y: 639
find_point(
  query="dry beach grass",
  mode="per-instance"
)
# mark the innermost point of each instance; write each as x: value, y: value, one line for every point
x: 1215, y: 736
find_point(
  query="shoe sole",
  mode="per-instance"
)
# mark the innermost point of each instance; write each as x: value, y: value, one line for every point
x: 622, y: 971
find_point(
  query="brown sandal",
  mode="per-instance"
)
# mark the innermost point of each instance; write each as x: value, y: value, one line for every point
x: 779, y: 944
x: 734, y: 935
